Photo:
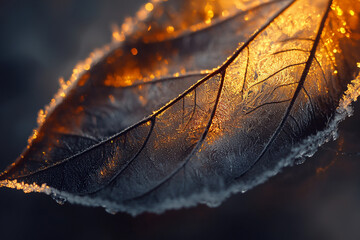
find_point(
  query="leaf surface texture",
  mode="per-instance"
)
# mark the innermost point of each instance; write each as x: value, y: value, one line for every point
x: 191, y: 106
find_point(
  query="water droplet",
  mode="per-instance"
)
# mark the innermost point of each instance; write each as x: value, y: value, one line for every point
x: 59, y: 199
x: 300, y: 160
x: 111, y: 211
x: 213, y: 203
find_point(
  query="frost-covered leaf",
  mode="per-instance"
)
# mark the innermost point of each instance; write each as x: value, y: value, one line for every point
x: 196, y: 100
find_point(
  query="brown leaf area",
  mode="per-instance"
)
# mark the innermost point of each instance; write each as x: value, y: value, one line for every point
x: 196, y: 100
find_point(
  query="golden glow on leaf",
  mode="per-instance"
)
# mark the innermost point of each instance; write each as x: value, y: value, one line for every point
x: 149, y: 7
x: 27, y: 188
x: 134, y: 51
x: 33, y: 136
x: 273, y: 78
x: 351, y: 94
x: 170, y: 29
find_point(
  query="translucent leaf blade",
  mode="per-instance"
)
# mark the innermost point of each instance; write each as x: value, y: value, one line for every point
x: 201, y: 137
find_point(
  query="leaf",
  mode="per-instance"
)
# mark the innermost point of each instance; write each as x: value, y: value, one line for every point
x: 154, y: 124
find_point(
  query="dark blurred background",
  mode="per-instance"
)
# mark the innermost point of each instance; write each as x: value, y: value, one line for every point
x: 42, y: 40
